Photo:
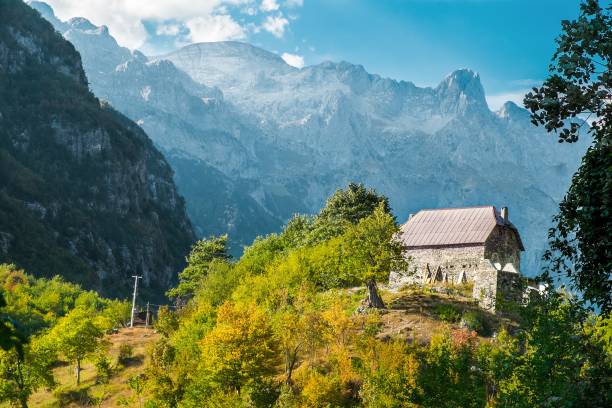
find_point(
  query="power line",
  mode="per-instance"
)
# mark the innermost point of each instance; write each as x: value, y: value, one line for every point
x: 173, y: 307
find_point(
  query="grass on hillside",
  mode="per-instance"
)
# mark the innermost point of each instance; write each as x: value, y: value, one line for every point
x: 415, y: 313
x: 90, y: 393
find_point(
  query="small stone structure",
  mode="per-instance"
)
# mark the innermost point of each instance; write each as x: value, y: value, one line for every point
x: 477, y: 245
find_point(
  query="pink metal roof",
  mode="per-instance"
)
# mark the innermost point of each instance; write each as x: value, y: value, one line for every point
x: 450, y: 226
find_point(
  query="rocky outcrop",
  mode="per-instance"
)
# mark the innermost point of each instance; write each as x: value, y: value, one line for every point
x: 83, y: 193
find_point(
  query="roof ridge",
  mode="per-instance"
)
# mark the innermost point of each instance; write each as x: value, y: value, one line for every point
x: 457, y: 208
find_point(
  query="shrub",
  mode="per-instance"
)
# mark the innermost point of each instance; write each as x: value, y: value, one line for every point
x: 474, y: 320
x: 447, y: 313
x: 321, y: 390
x: 103, y: 369
x: 126, y: 352
x: 286, y: 398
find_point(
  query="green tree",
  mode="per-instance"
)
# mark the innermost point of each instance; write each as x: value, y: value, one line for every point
x: 558, y: 363
x: 390, y: 374
x: 202, y: 254
x: 14, y: 386
x: 118, y: 312
x: 353, y: 204
x: 372, y: 252
x: 167, y: 321
x: 77, y: 335
x: 580, y: 86
x: 137, y: 385
x: 497, y: 359
x: 10, y: 338
x: 298, y: 327
x: 344, y: 208
x: 22, y: 373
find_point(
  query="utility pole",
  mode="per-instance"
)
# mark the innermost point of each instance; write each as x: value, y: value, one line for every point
x: 134, y: 298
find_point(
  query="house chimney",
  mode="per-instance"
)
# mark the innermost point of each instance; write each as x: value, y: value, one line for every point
x: 504, y: 215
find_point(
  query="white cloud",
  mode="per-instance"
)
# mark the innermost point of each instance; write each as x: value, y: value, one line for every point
x: 203, y: 20
x: 293, y: 60
x: 124, y: 18
x: 269, y: 5
x: 214, y: 28
x: 496, y: 101
x: 294, y: 3
x: 168, y: 29
x: 275, y: 25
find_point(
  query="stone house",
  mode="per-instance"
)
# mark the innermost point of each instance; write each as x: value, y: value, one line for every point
x: 476, y: 245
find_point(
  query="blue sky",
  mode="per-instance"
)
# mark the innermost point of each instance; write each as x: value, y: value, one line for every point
x: 509, y: 42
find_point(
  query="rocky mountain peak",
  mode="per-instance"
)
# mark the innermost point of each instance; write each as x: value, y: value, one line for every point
x: 512, y: 111
x: 461, y: 90
x: 81, y: 23
x: 48, y: 14
x: 228, y: 63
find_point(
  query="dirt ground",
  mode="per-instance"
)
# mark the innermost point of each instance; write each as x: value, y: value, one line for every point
x: 413, y: 315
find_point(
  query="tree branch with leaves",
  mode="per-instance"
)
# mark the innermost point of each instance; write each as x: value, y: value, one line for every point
x: 575, y: 100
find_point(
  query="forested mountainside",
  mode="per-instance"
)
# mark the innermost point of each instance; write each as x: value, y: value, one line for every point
x: 253, y: 140
x: 83, y: 191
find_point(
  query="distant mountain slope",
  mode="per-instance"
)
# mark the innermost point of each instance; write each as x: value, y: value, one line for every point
x: 206, y: 141
x: 423, y: 147
x: 274, y: 139
x: 83, y: 192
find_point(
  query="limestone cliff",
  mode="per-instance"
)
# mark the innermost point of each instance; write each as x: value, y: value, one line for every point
x: 83, y: 191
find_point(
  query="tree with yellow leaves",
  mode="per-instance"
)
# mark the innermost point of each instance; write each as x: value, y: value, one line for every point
x: 240, y: 350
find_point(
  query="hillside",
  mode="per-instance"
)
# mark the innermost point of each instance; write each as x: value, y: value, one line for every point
x: 292, y: 324
x: 414, y: 315
x: 89, y: 393
x: 83, y: 193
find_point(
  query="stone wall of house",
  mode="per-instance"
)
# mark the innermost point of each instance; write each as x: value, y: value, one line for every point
x: 486, y: 287
x: 492, y: 285
x: 493, y: 268
x: 503, y: 249
x: 452, y: 265
x: 510, y: 286
x: 502, y: 279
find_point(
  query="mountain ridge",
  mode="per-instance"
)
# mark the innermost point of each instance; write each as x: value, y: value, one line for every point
x: 282, y: 139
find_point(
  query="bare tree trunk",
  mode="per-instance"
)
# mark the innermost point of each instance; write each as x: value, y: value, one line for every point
x: 374, y: 299
x: 23, y: 400
x: 77, y: 371
x: 23, y: 397
x: 290, y: 360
